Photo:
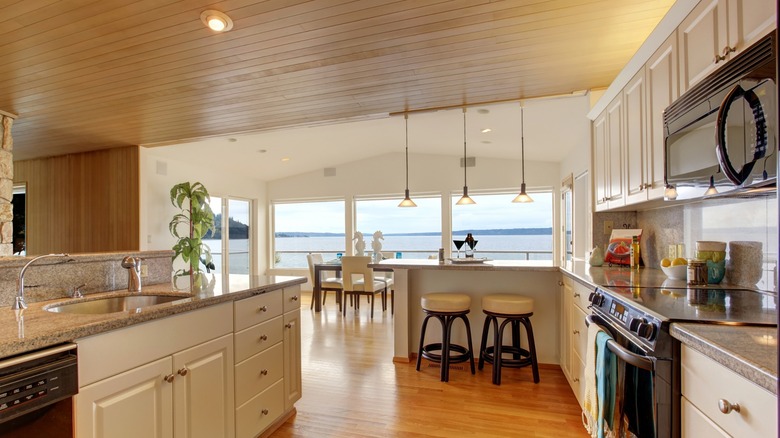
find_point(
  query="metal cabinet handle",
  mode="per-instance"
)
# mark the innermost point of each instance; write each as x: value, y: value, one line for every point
x: 576, y: 332
x: 183, y: 371
x: 576, y: 379
x: 289, y: 324
x: 262, y: 309
x: 264, y: 412
x: 264, y: 372
x: 560, y: 283
x: 576, y: 294
x: 727, y: 407
x: 169, y: 378
x: 727, y: 50
x: 294, y: 298
x: 264, y: 338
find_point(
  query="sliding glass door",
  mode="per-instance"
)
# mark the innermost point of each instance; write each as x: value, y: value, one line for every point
x: 231, y: 244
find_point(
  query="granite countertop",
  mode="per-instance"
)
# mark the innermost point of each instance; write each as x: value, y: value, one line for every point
x: 35, y: 328
x: 749, y: 351
x: 491, y: 265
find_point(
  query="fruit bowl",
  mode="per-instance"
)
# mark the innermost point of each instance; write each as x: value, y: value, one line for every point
x: 679, y: 272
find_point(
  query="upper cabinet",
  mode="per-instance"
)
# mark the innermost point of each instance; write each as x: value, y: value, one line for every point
x: 608, y: 156
x: 717, y: 30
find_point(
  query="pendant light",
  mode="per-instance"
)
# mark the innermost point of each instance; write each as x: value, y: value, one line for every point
x: 523, y: 196
x: 465, y: 199
x: 711, y: 190
x: 407, y: 202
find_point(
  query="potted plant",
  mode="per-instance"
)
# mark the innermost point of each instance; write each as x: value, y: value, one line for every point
x: 190, y: 226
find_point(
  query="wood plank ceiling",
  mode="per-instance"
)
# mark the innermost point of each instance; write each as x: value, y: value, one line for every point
x: 91, y: 74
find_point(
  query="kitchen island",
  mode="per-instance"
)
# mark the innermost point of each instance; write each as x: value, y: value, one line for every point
x: 414, y: 278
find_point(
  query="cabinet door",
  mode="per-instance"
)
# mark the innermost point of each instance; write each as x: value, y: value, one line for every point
x: 635, y: 122
x: 615, y: 142
x: 599, y: 161
x: 203, y: 390
x: 702, y: 37
x: 292, y: 358
x: 132, y: 404
x: 748, y: 21
x: 567, y: 292
x: 662, y: 90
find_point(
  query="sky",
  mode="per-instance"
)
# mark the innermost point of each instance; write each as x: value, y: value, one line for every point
x: 490, y: 212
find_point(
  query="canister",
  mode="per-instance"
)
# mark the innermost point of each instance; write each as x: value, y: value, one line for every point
x: 697, y: 272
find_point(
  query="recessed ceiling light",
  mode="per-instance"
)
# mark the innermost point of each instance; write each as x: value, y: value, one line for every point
x: 486, y: 130
x: 487, y: 142
x: 285, y: 159
x: 232, y: 140
x: 261, y: 151
x: 483, y: 111
x: 216, y: 20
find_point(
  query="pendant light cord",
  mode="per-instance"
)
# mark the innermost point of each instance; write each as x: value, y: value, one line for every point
x: 465, y: 162
x: 522, y: 143
x: 406, y: 119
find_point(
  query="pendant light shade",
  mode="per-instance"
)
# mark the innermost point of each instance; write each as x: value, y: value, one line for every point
x: 465, y: 199
x: 523, y: 196
x: 407, y: 201
x: 711, y: 190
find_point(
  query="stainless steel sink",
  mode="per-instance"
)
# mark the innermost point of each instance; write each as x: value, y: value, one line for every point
x: 131, y: 303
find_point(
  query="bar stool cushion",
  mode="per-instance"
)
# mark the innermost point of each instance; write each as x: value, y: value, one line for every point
x: 507, y: 304
x: 445, y: 302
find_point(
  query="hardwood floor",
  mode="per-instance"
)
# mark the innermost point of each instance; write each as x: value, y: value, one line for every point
x: 351, y: 388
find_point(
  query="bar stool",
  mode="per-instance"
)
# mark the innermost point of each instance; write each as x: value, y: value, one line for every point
x: 514, y: 309
x: 446, y: 307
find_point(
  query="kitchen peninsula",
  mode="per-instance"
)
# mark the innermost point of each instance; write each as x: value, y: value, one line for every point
x: 535, y: 279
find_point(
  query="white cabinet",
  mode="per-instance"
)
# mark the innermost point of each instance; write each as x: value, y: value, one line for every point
x: 608, y: 155
x: 702, y: 401
x: 717, y: 30
x: 635, y: 115
x: 268, y: 359
x: 662, y: 90
x: 180, y: 384
x: 574, y: 334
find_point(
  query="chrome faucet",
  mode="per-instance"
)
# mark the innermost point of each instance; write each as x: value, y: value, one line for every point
x: 133, y: 266
x: 19, y: 304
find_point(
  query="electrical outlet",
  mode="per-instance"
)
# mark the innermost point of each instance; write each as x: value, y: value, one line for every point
x: 608, y: 225
x: 144, y: 270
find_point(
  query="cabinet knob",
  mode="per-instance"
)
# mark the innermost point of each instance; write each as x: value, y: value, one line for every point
x: 264, y: 338
x: 727, y: 407
x: 169, y: 378
x: 294, y: 298
x: 576, y: 379
x: 719, y: 58
x: 183, y: 371
x: 576, y: 294
x: 262, y: 309
x: 560, y: 283
x: 264, y: 412
x: 576, y: 332
x: 727, y: 50
x: 289, y: 324
x: 264, y: 372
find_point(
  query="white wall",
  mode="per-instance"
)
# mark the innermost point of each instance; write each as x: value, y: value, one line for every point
x: 157, y: 211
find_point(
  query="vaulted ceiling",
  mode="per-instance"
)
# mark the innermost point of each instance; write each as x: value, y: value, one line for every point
x: 90, y: 74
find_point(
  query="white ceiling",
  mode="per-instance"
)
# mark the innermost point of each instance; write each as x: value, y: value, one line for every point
x: 439, y: 133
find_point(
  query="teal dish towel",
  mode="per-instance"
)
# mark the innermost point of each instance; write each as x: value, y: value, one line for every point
x: 606, y: 384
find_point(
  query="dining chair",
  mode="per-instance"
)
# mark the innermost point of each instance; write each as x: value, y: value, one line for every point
x: 358, y: 279
x: 326, y: 283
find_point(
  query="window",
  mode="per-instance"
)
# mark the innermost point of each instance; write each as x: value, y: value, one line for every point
x: 232, y: 236
x: 408, y: 232
x: 505, y: 230
x: 305, y: 227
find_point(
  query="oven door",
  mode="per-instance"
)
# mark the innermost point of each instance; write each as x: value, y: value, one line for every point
x: 643, y: 401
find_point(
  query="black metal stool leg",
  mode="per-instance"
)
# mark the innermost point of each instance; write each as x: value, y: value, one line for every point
x: 516, y: 338
x: 471, y: 348
x: 531, y: 348
x: 422, y: 339
x: 483, y: 346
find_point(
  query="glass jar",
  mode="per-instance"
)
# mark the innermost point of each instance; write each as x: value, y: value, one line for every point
x: 697, y: 272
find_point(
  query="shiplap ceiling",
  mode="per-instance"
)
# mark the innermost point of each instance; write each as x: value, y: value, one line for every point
x: 91, y: 74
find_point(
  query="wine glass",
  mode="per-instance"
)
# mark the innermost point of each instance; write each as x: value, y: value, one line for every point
x: 458, y: 245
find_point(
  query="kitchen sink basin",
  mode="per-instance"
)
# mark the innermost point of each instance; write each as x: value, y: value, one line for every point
x: 130, y: 303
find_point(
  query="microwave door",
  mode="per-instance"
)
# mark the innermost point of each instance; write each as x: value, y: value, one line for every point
x: 741, y: 137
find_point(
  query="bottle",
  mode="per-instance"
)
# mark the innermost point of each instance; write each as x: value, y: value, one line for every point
x: 635, y: 252
x: 470, y: 243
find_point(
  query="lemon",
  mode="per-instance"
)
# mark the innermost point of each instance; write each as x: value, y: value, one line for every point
x: 666, y: 262
x: 679, y: 261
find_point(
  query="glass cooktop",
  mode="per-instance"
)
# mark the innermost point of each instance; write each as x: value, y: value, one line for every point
x: 710, y: 305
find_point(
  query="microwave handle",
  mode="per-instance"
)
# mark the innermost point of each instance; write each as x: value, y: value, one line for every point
x: 739, y: 176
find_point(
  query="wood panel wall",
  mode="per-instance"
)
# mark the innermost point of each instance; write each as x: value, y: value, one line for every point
x: 86, y: 202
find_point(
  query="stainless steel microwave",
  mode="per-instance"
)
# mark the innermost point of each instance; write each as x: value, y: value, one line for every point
x: 720, y: 136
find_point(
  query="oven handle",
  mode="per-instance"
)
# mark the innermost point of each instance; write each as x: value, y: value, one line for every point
x: 625, y: 355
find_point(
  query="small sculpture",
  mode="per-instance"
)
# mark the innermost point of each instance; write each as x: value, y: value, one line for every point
x: 360, y: 244
x: 376, y: 245
x: 596, y: 258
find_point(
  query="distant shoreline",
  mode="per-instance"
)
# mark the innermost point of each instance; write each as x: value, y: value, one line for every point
x: 476, y: 233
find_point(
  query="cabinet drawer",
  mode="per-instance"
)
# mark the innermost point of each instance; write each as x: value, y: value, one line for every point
x: 578, y: 377
x: 258, y: 338
x: 292, y: 298
x: 580, y: 293
x: 259, y: 372
x: 579, y: 332
x: 257, y: 309
x: 260, y: 412
x: 695, y: 424
x: 705, y: 381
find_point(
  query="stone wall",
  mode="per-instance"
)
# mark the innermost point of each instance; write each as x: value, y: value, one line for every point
x: 6, y: 185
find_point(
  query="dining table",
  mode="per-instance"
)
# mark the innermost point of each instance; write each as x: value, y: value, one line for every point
x: 330, y: 266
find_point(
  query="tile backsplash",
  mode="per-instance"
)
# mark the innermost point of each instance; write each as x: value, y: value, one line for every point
x: 726, y: 220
